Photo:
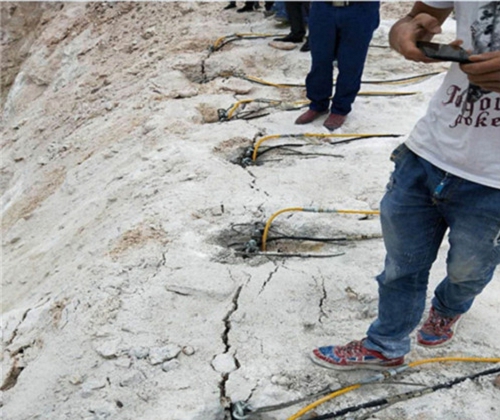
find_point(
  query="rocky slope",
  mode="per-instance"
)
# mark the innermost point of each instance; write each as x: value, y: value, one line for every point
x: 122, y: 296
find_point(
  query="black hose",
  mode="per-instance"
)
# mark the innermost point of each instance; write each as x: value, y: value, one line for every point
x: 405, y: 396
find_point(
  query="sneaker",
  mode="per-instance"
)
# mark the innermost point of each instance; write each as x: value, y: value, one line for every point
x: 305, y: 47
x: 245, y: 8
x: 353, y: 356
x: 334, y: 121
x: 281, y: 19
x: 437, y: 330
x: 309, y: 116
x: 290, y: 38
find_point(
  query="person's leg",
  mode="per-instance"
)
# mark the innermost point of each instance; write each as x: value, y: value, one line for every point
x: 413, y: 230
x: 322, y: 40
x: 305, y: 11
x: 356, y: 23
x: 248, y: 7
x: 305, y: 15
x: 473, y: 213
x: 296, y: 19
x: 280, y: 9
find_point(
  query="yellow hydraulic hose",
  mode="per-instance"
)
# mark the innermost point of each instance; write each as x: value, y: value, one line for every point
x: 386, y: 93
x: 455, y: 359
x: 302, y: 103
x: 329, y: 397
x: 290, y: 85
x: 316, y: 135
x: 264, y: 82
x: 311, y: 210
x: 403, y: 81
x: 350, y: 388
x: 234, y: 107
x: 219, y: 41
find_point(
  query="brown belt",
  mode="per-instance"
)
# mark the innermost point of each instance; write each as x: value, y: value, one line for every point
x: 340, y: 3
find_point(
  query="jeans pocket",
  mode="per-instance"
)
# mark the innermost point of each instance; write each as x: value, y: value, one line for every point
x: 399, y: 153
x: 397, y: 156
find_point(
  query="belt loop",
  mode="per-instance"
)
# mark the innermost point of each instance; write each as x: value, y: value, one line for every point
x: 340, y: 3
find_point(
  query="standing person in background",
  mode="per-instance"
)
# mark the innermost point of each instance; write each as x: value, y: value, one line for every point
x: 280, y: 13
x: 249, y: 6
x: 341, y: 31
x: 268, y: 7
x: 296, y: 12
x: 230, y: 5
x: 446, y: 178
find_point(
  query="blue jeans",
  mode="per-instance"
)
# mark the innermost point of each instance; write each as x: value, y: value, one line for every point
x: 342, y: 34
x: 421, y: 203
x: 279, y: 8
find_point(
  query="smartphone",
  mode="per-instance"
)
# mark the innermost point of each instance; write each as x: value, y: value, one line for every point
x: 443, y: 52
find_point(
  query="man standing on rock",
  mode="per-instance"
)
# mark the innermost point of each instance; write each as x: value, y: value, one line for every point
x: 446, y: 179
x: 341, y: 31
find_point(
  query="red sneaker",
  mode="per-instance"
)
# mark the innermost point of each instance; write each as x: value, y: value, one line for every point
x: 437, y: 330
x: 309, y: 116
x: 353, y: 356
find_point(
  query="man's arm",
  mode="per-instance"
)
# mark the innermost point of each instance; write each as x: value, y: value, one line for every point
x: 421, y: 24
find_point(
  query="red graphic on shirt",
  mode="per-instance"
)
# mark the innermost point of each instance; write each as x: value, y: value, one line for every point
x: 477, y: 107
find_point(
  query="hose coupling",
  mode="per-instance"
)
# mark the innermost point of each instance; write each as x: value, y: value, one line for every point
x: 251, y: 246
x: 241, y: 410
x: 222, y: 114
x: 246, y: 160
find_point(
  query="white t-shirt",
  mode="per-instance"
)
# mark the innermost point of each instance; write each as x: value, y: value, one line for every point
x: 460, y: 132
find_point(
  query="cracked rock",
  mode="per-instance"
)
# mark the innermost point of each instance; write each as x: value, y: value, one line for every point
x: 123, y: 362
x: 188, y: 350
x: 139, y: 352
x: 90, y: 386
x: 108, y: 349
x: 161, y: 354
x: 224, y: 363
x: 281, y: 380
x: 170, y: 365
x: 76, y: 379
x: 132, y: 379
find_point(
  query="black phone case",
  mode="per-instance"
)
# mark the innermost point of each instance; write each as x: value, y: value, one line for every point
x: 443, y: 52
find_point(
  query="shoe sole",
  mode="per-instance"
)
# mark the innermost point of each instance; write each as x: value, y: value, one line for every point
x: 360, y: 366
x: 444, y: 343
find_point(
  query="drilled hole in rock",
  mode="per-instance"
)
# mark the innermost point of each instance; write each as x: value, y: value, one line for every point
x: 243, y: 239
x: 234, y: 149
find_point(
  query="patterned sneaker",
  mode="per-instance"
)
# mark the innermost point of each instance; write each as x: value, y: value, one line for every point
x: 437, y: 330
x: 353, y: 356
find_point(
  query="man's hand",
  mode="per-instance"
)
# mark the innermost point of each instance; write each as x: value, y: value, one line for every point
x: 421, y: 24
x: 484, y: 71
x: 403, y: 37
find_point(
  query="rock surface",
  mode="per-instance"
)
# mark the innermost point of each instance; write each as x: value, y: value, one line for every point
x: 124, y: 203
